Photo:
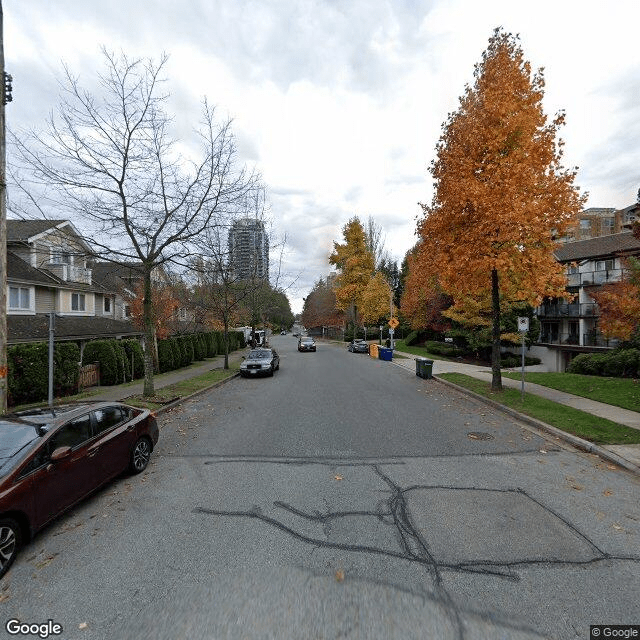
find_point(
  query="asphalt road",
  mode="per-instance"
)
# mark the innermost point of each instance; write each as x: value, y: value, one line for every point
x: 342, y: 498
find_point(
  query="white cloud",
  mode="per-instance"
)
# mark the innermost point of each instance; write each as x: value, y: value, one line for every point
x: 340, y: 104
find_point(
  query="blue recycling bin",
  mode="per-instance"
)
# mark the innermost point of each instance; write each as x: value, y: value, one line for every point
x: 385, y: 354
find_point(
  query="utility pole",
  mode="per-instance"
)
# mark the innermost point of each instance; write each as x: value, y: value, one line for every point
x: 5, y: 79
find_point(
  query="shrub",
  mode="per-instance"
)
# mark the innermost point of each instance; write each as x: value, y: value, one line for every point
x: 176, y: 350
x: 198, y: 347
x: 511, y: 360
x: 135, y: 355
x: 617, y: 364
x: 28, y: 375
x: 66, y: 371
x: 186, y: 347
x: 411, y: 338
x: 165, y: 355
x: 104, y: 352
x: 443, y: 348
x: 210, y: 341
x: 124, y: 366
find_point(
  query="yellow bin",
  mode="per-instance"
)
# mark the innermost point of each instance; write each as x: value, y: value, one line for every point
x: 373, y: 350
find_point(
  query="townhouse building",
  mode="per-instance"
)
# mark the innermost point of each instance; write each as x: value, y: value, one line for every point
x: 50, y: 269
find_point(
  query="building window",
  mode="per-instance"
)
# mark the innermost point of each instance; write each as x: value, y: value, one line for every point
x: 58, y: 256
x: 585, y: 224
x: 107, y: 305
x: 127, y: 310
x: 77, y: 302
x: 20, y: 298
x: 604, y: 265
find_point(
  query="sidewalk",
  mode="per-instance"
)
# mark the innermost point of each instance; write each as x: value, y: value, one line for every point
x: 620, y: 454
x: 119, y: 392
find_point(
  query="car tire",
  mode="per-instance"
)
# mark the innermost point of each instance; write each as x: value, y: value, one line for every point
x: 140, y: 455
x: 10, y: 539
x: 271, y: 371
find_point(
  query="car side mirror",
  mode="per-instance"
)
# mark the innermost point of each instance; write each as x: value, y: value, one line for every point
x: 60, y: 453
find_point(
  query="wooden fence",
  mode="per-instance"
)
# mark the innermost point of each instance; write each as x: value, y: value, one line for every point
x: 89, y: 376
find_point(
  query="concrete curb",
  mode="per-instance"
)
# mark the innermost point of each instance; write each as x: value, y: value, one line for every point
x: 575, y: 441
x: 569, y: 438
x: 179, y: 401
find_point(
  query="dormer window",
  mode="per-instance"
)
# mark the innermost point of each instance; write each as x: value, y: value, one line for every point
x: 59, y: 256
x: 107, y: 305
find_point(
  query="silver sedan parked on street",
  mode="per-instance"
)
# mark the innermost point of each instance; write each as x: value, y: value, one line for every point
x: 260, y: 362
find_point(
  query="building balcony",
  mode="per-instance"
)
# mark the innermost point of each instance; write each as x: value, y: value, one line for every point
x: 69, y: 272
x: 588, y: 278
x: 590, y: 339
x: 569, y: 310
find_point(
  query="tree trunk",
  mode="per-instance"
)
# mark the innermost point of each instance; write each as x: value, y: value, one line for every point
x: 496, y: 378
x: 226, y: 343
x: 148, y: 334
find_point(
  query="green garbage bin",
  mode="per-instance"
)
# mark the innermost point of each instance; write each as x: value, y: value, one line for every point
x: 424, y: 368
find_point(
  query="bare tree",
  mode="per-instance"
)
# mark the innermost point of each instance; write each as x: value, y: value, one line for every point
x: 375, y: 242
x: 109, y: 161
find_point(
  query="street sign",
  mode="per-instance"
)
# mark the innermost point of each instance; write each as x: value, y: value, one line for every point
x: 523, y: 324
x: 393, y: 323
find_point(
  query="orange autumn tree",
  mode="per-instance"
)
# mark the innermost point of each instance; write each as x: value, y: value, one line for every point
x: 320, y: 307
x: 164, y: 306
x: 619, y: 304
x: 423, y: 300
x: 501, y: 194
x: 376, y: 300
x: 356, y: 264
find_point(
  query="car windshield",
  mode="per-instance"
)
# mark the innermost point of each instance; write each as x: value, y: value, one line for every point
x: 255, y: 355
x: 15, y: 438
x: 307, y: 339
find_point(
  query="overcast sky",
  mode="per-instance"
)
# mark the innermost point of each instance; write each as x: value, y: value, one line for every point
x: 339, y: 103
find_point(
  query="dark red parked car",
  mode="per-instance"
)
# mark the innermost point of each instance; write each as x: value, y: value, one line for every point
x: 49, y: 462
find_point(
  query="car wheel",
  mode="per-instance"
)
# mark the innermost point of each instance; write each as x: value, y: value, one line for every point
x: 9, y: 543
x: 140, y: 455
x: 271, y: 371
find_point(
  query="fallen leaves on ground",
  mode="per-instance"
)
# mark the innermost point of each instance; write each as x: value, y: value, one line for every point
x: 339, y: 575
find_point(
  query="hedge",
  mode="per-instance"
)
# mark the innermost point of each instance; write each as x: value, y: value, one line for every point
x: 186, y: 348
x: 104, y: 352
x: 135, y: 354
x: 166, y: 360
x: 511, y: 360
x: 28, y: 375
x: 620, y: 363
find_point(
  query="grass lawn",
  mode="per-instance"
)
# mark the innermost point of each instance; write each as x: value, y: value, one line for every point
x: 579, y: 423
x: 621, y: 392
x: 181, y: 389
x: 163, y: 394
x: 418, y: 351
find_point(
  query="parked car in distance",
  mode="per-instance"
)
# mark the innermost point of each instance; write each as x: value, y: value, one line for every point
x: 260, y: 362
x: 306, y: 343
x: 358, y: 346
x: 49, y: 461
